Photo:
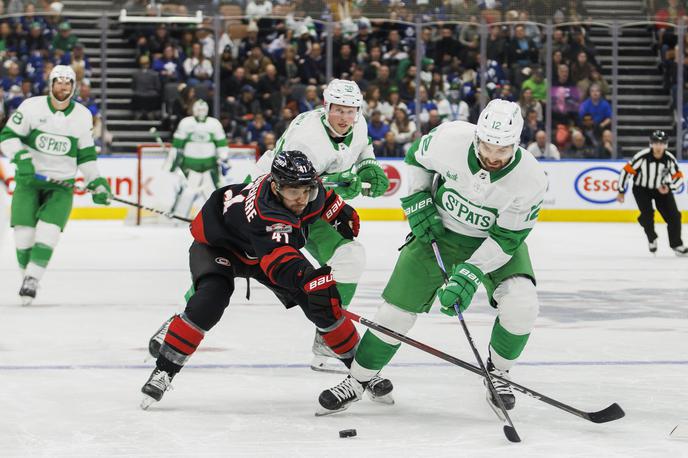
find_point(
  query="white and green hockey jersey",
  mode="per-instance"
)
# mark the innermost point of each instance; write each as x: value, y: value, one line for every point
x: 308, y: 134
x: 501, y: 206
x: 200, y: 142
x: 58, y: 141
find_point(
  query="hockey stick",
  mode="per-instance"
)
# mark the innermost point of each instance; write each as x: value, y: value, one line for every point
x: 610, y: 413
x: 509, y: 429
x: 343, y: 184
x: 67, y: 184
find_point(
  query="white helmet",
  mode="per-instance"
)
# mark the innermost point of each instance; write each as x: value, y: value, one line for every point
x: 500, y: 123
x: 199, y: 110
x: 342, y: 92
x: 62, y: 71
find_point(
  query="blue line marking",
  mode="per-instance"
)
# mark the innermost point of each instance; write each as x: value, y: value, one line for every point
x: 28, y: 367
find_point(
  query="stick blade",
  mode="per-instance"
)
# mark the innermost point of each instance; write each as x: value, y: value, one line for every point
x: 611, y: 413
x: 511, y: 434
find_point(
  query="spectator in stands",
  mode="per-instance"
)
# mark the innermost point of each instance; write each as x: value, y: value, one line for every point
x: 579, y: 43
x: 383, y: 81
x: 527, y: 102
x: 77, y: 59
x: 403, y: 128
x: 371, y: 63
x: 285, y: 118
x: 9, y: 44
x: 530, y: 127
x: 446, y: 47
x: 245, y: 107
x: 598, y: 107
x: 595, y: 77
x: 581, y: 69
x: 12, y: 76
x: 158, y: 41
x: 469, y: 37
x: 35, y: 42
x: 394, y: 49
x: 344, y: 63
x: 313, y: 66
x: 310, y: 100
x: 255, y: 130
x: 40, y: 80
x: 19, y: 94
x: 371, y: 101
x: 671, y: 14
x: 268, y: 142
x: 256, y: 63
x: 145, y: 99
x: 64, y: 40
x: 168, y: 66
x: 496, y: 45
x: 560, y: 41
x: 267, y: 87
x: 434, y: 120
x: 591, y: 131
x: 531, y: 29
x: 377, y: 128
x: 425, y: 106
x: 537, y: 84
x: 389, y: 147
x: 521, y: 53
x: 542, y: 149
x: 181, y: 108
x: 85, y: 98
x: 388, y: 107
x: 605, y: 150
x: 505, y: 92
x: 206, y: 38
x: 579, y: 149
x: 198, y: 69
x: 185, y: 45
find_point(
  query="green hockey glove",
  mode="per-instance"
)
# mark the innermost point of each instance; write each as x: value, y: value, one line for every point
x: 369, y: 171
x: 178, y: 160
x: 25, y: 170
x: 101, y: 191
x: 462, y: 285
x: 349, y: 183
x: 425, y: 221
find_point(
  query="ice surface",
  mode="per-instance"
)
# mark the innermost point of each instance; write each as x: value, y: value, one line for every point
x: 613, y: 327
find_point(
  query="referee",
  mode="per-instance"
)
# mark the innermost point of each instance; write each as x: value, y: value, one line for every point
x: 655, y: 176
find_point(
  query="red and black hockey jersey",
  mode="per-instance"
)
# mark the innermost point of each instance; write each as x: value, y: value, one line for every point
x: 251, y: 222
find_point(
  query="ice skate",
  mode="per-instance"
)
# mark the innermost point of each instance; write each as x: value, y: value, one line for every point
x: 340, y: 396
x: 157, y: 339
x: 652, y: 246
x: 380, y: 390
x: 324, y: 359
x: 503, y: 390
x: 158, y: 382
x: 680, y: 250
x: 27, y: 292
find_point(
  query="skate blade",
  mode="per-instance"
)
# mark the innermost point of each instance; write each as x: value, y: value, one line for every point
x: 387, y: 399
x: 330, y: 369
x: 147, y: 401
x: 494, y: 408
x: 26, y: 300
x: 322, y: 412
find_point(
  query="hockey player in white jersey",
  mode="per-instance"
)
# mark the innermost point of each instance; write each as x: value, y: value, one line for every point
x: 51, y: 136
x: 483, y: 204
x: 198, y: 146
x: 335, y: 139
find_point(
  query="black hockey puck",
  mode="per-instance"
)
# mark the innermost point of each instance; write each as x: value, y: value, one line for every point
x: 347, y: 433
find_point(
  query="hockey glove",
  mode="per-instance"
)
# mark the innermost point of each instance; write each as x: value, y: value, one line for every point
x: 349, y: 184
x: 321, y: 289
x: 341, y: 216
x: 25, y: 172
x: 370, y: 172
x: 425, y: 221
x: 101, y: 193
x: 462, y: 285
x: 177, y: 161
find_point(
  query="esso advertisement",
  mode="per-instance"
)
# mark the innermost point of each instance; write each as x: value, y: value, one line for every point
x: 598, y: 185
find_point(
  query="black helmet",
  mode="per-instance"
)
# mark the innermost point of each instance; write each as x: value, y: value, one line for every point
x: 659, y: 136
x: 293, y: 168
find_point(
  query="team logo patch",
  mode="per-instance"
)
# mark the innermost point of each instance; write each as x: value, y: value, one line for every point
x: 463, y: 210
x: 279, y: 228
x: 55, y: 145
x: 222, y: 261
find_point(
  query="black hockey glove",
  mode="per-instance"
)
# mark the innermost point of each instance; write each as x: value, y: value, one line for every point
x: 342, y: 216
x: 321, y: 288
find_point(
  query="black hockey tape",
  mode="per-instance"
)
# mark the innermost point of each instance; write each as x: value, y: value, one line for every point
x: 347, y: 433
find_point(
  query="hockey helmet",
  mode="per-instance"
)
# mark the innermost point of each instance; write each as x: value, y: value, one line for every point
x: 500, y: 123
x: 342, y: 92
x: 199, y: 110
x: 63, y: 72
x: 293, y: 168
x: 659, y: 136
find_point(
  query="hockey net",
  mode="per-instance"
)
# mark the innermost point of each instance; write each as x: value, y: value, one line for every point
x: 157, y: 187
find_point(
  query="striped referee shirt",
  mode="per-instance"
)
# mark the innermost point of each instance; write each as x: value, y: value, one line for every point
x: 651, y: 173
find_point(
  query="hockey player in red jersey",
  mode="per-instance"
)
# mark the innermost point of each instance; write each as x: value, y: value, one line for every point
x: 256, y: 231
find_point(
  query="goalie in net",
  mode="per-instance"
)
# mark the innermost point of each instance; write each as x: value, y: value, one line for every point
x: 188, y: 171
